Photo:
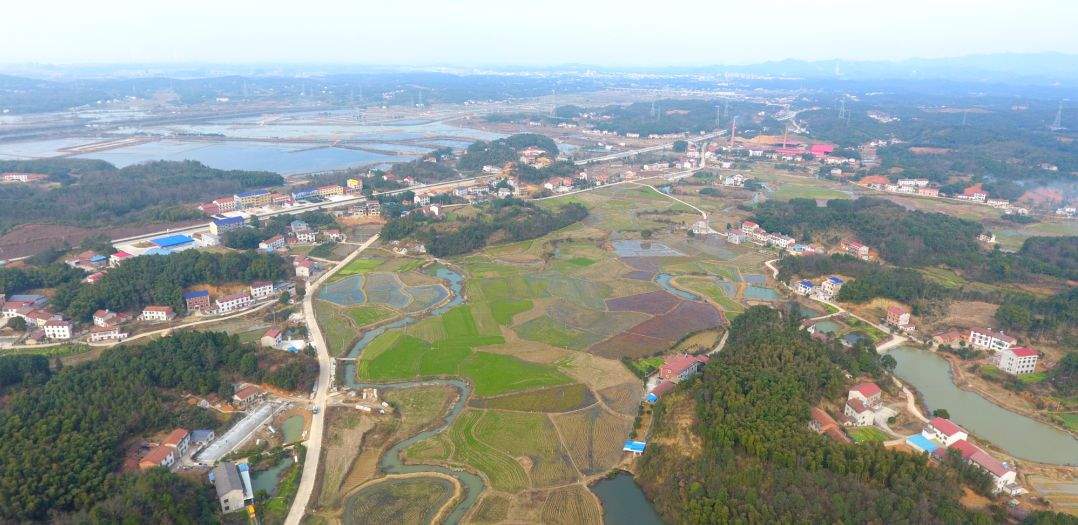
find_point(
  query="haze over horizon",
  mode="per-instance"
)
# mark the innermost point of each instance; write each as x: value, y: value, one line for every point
x: 488, y: 33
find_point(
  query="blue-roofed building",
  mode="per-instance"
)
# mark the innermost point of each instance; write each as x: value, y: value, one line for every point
x: 157, y: 250
x: 921, y: 443
x: 99, y: 260
x: 636, y: 447
x: 174, y: 243
x: 304, y: 194
x: 830, y: 286
x: 223, y: 223
x: 804, y: 287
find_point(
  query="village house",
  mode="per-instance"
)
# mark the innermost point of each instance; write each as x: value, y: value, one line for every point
x: 252, y: 199
x: 156, y: 313
x: 107, y: 333
x: 272, y: 338
x: 237, y: 301
x: 178, y: 440
x: 261, y: 289
x: 247, y: 396
x: 950, y: 338
x: 303, y: 266
x: 220, y: 224
x: 857, y: 249
x: 830, y: 287
x: 823, y: 423
x: 57, y: 329
x: 862, y: 403
x: 118, y: 257
x: 803, y: 287
x: 229, y: 487
x: 22, y: 177
x: 1016, y: 360
x: 1003, y: 476
x: 898, y: 315
x: 225, y: 203
x: 205, y: 239
x: 94, y: 277
x: 197, y: 300
x: 159, y: 456
x: 336, y: 235
x: 928, y: 192
x: 274, y: 243
x: 107, y: 318
x: 987, y: 339
x: 944, y: 431
x: 331, y: 189
x: 680, y: 367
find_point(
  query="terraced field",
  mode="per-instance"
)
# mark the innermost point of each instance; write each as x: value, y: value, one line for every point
x: 414, y: 500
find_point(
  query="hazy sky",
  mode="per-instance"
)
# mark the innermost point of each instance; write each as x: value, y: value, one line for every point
x: 475, y: 32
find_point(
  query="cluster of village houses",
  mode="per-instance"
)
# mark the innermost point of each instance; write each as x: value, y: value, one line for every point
x: 1003, y: 349
x: 922, y: 187
x: 752, y: 232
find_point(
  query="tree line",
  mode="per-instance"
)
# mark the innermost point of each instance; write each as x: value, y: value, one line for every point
x: 500, y: 151
x: 61, y: 442
x: 95, y: 193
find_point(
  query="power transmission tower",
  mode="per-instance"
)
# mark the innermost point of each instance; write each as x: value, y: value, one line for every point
x: 1057, y: 124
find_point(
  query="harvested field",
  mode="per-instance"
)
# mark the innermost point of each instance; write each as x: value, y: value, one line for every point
x: 544, y: 329
x: 687, y: 317
x: 424, y: 297
x: 640, y: 275
x: 654, y: 303
x: 571, y: 505
x: 557, y: 399
x: 504, y: 472
x: 646, y: 264
x: 365, y: 315
x: 624, y: 398
x: 629, y: 345
x: 411, y: 500
x: 345, y: 431
x: 493, y: 508
x: 594, y: 437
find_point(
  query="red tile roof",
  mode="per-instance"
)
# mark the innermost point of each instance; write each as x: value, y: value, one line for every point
x: 175, y: 437
x: 857, y: 405
x: 867, y: 389
x: 247, y: 391
x: 945, y: 426
x: 989, y: 463
x: 897, y: 310
x: 875, y: 179
x: 156, y: 455
x: 1022, y: 351
x: 662, y: 388
x: 998, y: 335
x: 964, y: 448
x: 272, y: 332
x: 677, y: 364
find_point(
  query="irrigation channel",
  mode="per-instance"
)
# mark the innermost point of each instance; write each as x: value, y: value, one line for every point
x: 390, y: 463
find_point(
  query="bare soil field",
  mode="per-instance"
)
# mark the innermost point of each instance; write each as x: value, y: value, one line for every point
x: 29, y: 239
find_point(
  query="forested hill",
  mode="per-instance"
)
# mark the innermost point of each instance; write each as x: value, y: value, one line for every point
x: 95, y: 193
x: 760, y: 463
x: 61, y: 442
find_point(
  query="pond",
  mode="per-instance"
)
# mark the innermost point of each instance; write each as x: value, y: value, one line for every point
x: 292, y: 428
x: 624, y: 502
x: 635, y: 248
x: 826, y: 326
x: 346, y: 292
x: 1018, y: 435
x: 268, y: 479
x: 761, y: 293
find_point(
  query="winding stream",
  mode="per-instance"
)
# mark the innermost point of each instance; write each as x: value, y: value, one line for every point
x: 390, y: 462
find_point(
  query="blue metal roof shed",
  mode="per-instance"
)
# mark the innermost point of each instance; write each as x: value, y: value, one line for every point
x: 170, y: 241
x: 636, y: 447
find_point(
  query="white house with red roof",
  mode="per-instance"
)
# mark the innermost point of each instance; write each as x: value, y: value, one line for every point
x: 178, y: 440
x: 944, y: 431
x: 1004, y: 477
x: 119, y: 257
x: 157, y: 313
x: 1017, y: 360
x: 272, y: 338
x: 681, y: 367
x: 232, y: 302
x: 898, y: 315
x: 858, y: 413
x: 988, y: 339
x: 869, y: 393
x: 57, y: 329
x: 107, y: 333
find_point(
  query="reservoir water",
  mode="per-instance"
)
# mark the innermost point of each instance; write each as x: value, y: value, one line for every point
x: 624, y: 502
x: 1018, y: 435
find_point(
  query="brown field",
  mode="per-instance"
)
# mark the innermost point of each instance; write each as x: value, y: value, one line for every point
x: 654, y: 303
x: 345, y: 431
x: 629, y: 345
x: 686, y: 318
x: 493, y: 508
x: 570, y: 506
x: 623, y: 398
x: 28, y: 239
x: 966, y: 314
x: 597, y: 437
